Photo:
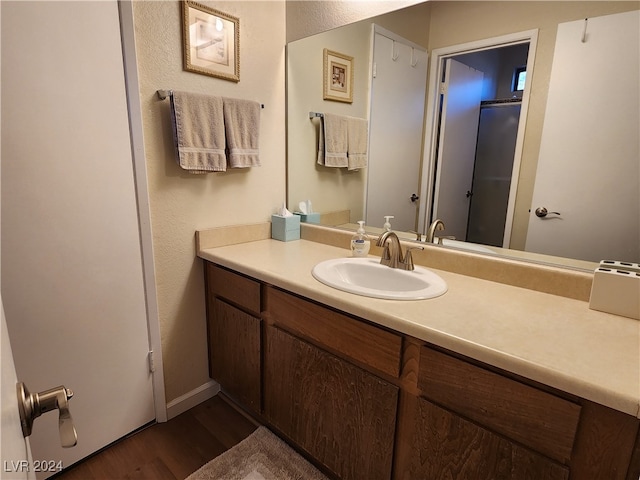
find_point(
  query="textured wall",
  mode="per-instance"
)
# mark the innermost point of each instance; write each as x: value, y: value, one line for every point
x: 308, y: 17
x: 182, y: 203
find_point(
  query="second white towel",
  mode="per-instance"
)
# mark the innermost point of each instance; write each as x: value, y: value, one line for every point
x: 242, y: 127
x: 333, y: 141
x: 358, y: 141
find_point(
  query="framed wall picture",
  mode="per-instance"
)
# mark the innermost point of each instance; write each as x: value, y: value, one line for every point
x: 338, y: 77
x: 211, y: 41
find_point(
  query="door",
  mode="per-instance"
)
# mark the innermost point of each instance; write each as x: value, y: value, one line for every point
x: 15, y: 452
x: 72, y: 278
x: 497, y: 135
x: 461, y: 90
x: 313, y: 397
x: 447, y: 445
x: 398, y: 90
x: 599, y: 216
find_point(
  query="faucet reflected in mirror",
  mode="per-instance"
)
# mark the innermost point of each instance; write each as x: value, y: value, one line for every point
x: 431, y: 233
x: 441, y: 25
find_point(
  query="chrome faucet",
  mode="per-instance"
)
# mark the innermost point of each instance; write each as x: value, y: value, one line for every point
x: 392, y: 253
x: 431, y: 233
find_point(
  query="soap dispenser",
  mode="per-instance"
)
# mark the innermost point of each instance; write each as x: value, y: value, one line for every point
x: 360, y: 243
x: 387, y: 224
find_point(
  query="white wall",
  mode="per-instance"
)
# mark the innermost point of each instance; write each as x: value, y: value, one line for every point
x: 182, y: 203
x: 308, y: 17
x: 330, y: 189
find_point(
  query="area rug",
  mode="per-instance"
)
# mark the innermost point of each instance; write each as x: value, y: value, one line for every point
x: 260, y: 456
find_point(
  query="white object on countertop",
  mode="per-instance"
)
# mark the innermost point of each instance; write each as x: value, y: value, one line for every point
x: 360, y: 243
x: 616, y: 289
x: 283, y: 212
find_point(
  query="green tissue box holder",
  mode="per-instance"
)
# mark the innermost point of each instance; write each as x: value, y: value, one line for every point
x: 309, y: 217
x: 285, y: 228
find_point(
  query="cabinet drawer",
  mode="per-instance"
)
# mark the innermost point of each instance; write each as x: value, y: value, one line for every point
x: 354, y: 339
x: 236, y: 288
x: 537, y: 419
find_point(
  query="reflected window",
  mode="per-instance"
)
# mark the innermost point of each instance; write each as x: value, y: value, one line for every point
x: 519, y: 79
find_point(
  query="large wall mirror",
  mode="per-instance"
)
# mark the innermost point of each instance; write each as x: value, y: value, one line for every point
x: 526, y: 133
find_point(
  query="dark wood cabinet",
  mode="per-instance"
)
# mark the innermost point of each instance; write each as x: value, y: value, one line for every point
x: 235, y: 335
x: 234, y: 358
x: 527, y: 415
x: 359, y: 342
x: 340, y: 414
x: 365, y: 401
x: 447, y: 446
x: 473, y: 423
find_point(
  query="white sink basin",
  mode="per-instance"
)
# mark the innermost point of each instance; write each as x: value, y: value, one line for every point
x: 366, y: 276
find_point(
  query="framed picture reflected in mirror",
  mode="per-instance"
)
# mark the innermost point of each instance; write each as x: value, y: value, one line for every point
x: 338, y: 77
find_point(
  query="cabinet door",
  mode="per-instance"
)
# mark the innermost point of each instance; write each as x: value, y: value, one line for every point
x: 234, y: 340
x: 447, y: 446
x: 340, y: 414
x: 534, y: 418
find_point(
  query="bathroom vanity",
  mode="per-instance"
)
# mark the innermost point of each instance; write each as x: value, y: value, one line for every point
x: 489, y: 381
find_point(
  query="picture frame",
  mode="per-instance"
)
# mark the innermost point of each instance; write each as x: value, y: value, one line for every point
x: 211, y: 41
x: 337, y: 76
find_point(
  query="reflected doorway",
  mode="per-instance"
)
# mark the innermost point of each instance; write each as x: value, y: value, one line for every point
x: 474, y: 157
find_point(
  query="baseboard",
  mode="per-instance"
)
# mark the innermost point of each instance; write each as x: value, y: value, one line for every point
x: 191, y: 399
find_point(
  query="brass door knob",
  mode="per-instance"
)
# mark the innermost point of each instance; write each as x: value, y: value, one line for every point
x: 32, y: 405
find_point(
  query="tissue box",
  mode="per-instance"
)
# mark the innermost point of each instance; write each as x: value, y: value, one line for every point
x: 309, y: 217
x: 616, y: 290
x: 285, y: 228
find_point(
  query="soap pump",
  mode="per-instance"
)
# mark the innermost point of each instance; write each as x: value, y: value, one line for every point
x: 360, y: 243
x: 387, y: 224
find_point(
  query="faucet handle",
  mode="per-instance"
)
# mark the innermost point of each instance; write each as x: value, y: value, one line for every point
x: 408, y: 258
x: 418, y: 235
x: 445, y: 237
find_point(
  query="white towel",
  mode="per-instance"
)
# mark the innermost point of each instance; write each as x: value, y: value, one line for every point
x: 358, y: 140
x: 198, y: 129
x: 242, y: 125
x: 333, y: 141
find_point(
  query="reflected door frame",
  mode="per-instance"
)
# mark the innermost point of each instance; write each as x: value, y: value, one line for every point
x: 432, y: 112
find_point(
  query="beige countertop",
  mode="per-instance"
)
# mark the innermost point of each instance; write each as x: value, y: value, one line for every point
x: 551, y: 339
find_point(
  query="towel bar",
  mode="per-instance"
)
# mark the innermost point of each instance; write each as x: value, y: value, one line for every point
x: 163, y: 94
x: 316, y: 115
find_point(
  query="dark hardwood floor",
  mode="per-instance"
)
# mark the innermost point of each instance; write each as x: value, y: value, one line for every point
x: 171, y: 450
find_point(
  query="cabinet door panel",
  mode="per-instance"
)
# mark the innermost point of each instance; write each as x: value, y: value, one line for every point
x: 535, y: 418
x: 446, y: 446
x: 605, y: 447
x: 340, y: 414
x: 234, y: 339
